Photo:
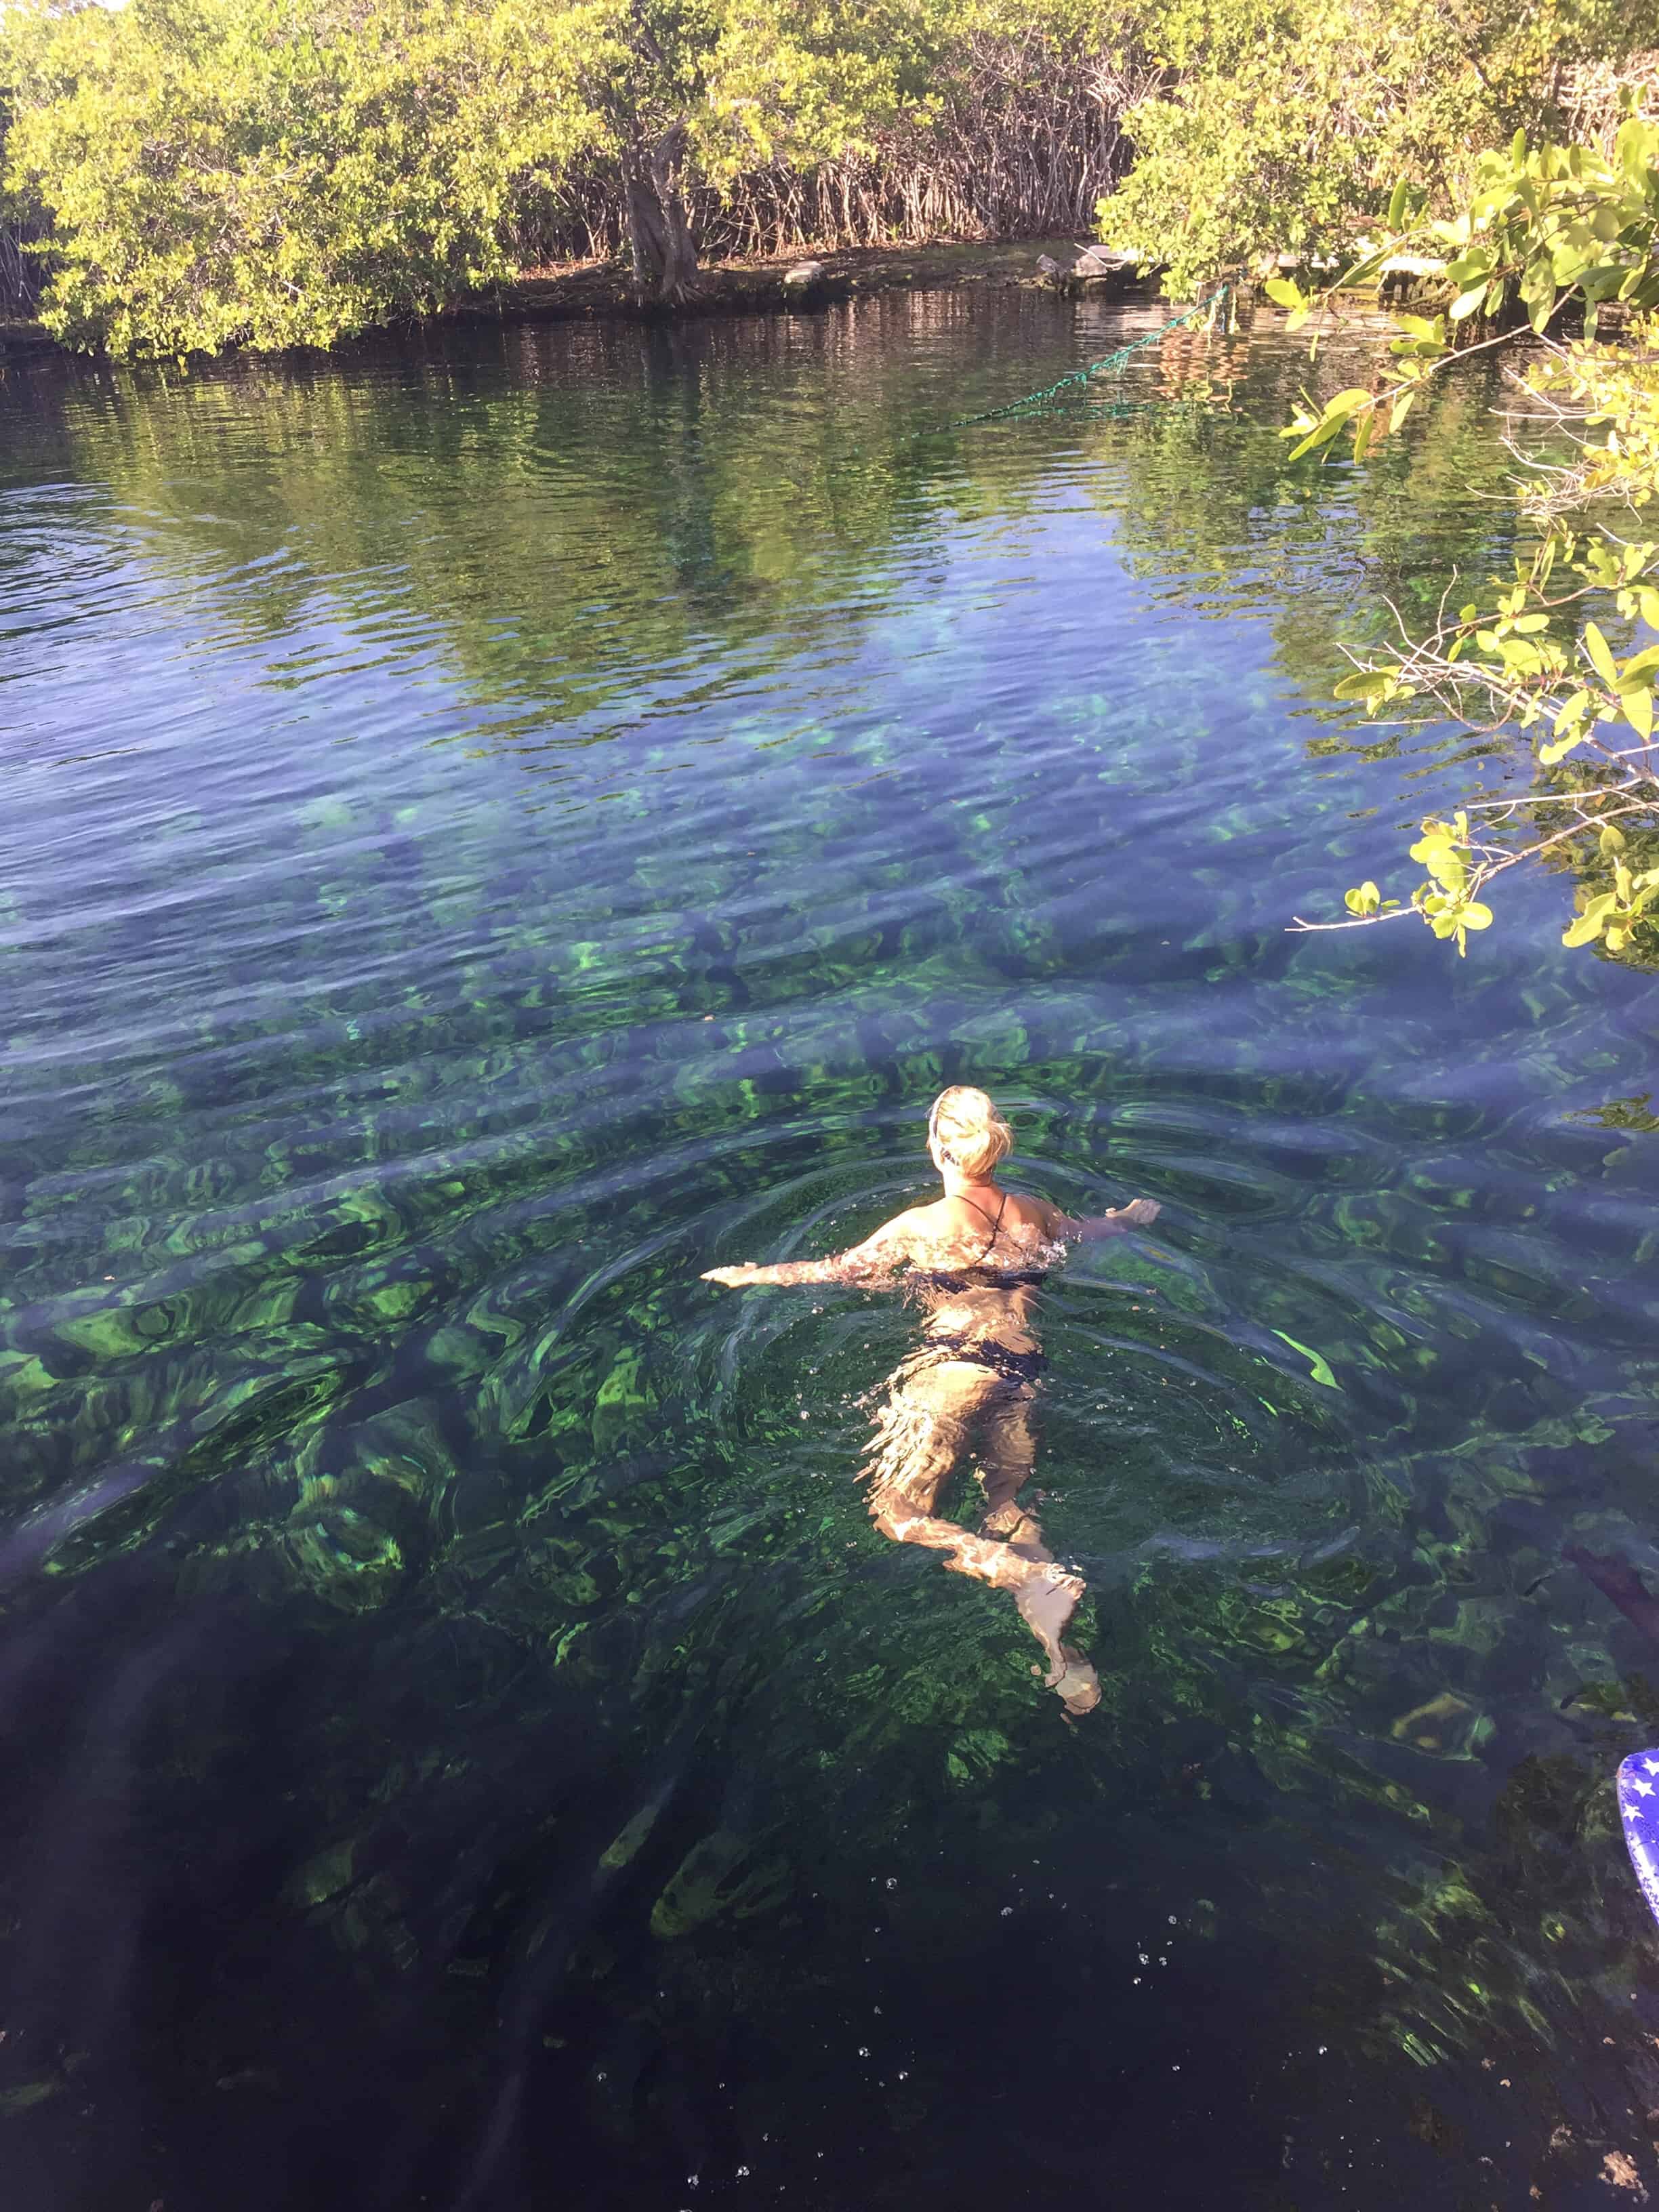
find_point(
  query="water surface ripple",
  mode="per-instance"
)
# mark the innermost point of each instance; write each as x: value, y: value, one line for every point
x: 498, y: 827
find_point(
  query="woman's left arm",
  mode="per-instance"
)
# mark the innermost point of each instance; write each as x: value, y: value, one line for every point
x: 1138, y: 1214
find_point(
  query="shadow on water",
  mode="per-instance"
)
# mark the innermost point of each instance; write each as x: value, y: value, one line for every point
x: 501, y: 825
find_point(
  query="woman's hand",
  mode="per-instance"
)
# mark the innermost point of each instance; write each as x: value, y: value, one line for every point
x: 745, y: 1272
x: 1138, y: 1214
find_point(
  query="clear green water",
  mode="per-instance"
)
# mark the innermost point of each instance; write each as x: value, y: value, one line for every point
x: 495, y: 829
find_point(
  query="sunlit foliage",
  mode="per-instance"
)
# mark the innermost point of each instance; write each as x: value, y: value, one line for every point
x: 223, y: 171
x: 274, y: 173
x: 1282, y: 128
x: 1550, y: 229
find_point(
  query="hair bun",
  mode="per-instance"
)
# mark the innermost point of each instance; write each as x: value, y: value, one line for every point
x: 967, y: 1129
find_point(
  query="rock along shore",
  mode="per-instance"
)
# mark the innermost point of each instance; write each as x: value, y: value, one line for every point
x: 758, y: 287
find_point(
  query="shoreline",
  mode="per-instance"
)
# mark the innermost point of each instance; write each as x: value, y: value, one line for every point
x: 574, y: 290
x: 756, y: 285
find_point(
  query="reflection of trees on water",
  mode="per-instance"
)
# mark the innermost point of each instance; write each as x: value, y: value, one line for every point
x: 742, y: 518
x: 1205, y: 365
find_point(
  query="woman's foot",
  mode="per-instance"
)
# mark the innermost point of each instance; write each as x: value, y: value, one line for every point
x: 1047, y: 1601
x: 1048, y: 1597
x: 1076, y: 1680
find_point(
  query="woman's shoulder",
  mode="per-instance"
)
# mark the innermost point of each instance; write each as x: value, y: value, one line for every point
x: 1034, y: 1214
x: 935, y: 1214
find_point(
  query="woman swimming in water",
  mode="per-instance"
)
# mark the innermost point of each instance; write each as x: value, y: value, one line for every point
x: 973, y: 1259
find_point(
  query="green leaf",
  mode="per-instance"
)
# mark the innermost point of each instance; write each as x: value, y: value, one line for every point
x: 1361, y: 272
x: 1367, y: 683
x: 1639, y: 711
x: 1283, y: 293
x: 1600, y: 655
x: 1590, y: 924
x: 1612, y: 839
x: 1548, y: 755
x: 1438, y: 851
x: 1347, y: 403
x: 1321, y: 434
x: 1398, y: 200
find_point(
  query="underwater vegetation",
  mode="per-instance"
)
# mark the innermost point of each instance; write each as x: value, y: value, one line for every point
x: 502, y: 831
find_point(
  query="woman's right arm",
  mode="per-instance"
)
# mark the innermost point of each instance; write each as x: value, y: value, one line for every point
x: 869, y: 1263
x: 782, y: 1272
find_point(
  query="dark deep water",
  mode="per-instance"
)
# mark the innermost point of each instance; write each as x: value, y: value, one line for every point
x: 493, y: 830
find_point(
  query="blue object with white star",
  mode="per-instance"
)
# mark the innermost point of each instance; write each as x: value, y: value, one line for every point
x: 1639, y: 1809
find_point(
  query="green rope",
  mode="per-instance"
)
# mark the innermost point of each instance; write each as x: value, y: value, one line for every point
x: 1076, y: 379
x: 1080, y: 377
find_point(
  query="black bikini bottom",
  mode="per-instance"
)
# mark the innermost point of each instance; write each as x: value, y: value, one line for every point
x: 986, y: 1352
x: 981, y: 1279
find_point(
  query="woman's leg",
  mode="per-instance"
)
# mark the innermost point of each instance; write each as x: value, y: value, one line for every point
x: 920, y: 1434
x: 1046, y: 1602
x: 1007, y: 1454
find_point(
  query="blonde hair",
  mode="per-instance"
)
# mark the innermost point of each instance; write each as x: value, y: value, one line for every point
x: 968, y: 1130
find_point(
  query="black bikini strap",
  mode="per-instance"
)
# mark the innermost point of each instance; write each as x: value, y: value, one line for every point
x: 996, y: 1225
